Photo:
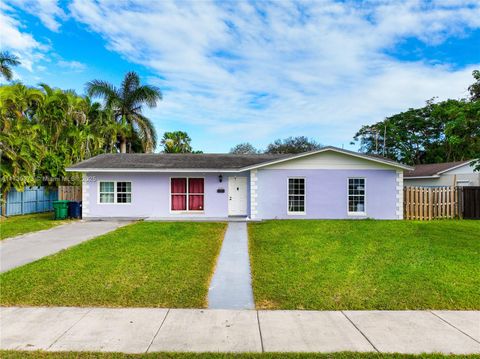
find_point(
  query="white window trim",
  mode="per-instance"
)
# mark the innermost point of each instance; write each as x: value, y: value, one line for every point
x: 304, y: 196
x: 187, y: 194
x: 358, y: 214
x: 115, y: 193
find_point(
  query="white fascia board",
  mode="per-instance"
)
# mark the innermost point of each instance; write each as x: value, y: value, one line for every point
x: 349, y: 153
x: 457, y: 166
x: 139, y: 170
x: 420, y: 177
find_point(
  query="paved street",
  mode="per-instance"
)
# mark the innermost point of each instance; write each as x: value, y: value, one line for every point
x: 138, y: 330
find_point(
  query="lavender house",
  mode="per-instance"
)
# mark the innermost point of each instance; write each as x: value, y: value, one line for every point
x: 328, y: 183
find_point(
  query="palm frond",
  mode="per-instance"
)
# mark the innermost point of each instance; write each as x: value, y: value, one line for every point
x: 9, y: 59
x: 6, y: 72
x: 6, y: 61
x: 145, y: 94
x: 103, y: 89
x: 130, y: 83
x: 147, y: 132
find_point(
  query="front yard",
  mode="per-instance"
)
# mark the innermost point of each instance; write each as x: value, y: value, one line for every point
x: 16, y: 225
x: 365, y: 264
x: 147, y: 264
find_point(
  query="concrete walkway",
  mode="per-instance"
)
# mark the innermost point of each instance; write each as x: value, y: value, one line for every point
x: 139, y: 330
x: 231, y: 286
x: 20, y: 250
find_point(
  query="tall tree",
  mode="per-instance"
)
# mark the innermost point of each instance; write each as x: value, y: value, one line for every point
x: 474, y: 88
x: 438, y: 132
x: 126, y: 104
x: 44, y: 130
x: 176, y: 142
x: 245, y: 148
x: 293, y: 145
x: 7, y: 60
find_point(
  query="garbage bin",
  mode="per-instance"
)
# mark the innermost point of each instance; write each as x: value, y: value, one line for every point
x: 74, y: 209
x: 61, y: 209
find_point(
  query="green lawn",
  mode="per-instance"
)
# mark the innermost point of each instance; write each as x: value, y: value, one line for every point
x: 10, y: 354
x: 16, y: 225
x: 147, y: 264
x: 365, y: 264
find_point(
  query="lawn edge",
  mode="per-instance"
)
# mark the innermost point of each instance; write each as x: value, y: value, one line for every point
x: 15, y: 353
x: 60, y: 223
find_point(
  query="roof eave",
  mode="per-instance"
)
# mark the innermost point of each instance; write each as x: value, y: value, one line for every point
x: 421, y: 177
x: 137, y: 170
x: 457, y: 166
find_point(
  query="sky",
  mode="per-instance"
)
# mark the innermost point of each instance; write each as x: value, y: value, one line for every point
x: 246, y: 71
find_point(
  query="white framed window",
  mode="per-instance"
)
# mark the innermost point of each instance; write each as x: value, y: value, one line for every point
x: 296, y: 195
x: 115, y: 192
x: 187, y: 194
x: 356, y: 196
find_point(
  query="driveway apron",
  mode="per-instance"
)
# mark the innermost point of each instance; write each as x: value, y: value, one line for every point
x: 231, y: 286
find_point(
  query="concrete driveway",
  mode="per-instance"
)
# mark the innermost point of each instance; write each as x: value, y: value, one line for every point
x: 17, y: 251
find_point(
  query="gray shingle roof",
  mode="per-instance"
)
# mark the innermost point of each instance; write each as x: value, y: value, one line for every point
x: 174, y: 161
x: 210, y: 161
x: 433, y: 168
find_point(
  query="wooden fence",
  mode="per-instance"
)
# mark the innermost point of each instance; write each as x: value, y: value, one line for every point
x: 426, y: 203
x: 70, y: 193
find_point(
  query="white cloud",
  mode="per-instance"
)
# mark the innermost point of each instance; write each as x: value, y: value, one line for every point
x: 254, y: 71
x: 72, y: 65
x: 17, y: 41
x: 47, y: 11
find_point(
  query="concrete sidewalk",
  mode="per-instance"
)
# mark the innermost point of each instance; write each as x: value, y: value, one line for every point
x: 138, y: 330
x: 20, y: 250
x: 231, y: 285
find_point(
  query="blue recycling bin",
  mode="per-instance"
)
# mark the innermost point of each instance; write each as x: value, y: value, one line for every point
x: 75, y: 209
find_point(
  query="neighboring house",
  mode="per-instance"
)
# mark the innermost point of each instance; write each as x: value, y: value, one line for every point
x: 459, y: 173
x: 328, y: 183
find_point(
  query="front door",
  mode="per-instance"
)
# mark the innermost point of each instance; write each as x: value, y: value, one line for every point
x: 237, y: 196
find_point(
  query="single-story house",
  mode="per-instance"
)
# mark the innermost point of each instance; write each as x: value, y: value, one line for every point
x: 459, y: 173
x: 327, y: 183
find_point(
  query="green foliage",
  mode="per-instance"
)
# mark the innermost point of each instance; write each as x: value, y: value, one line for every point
x: 293, y: 145
x: 438, y: 132
x: 45, y: 130
x: 177, y: 142
x: 474, y: 88
x: 245, y: 148
x: 7, y: 60
x: 125, y: 104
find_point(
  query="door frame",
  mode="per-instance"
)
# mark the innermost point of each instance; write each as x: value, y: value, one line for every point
x: 229, y: 209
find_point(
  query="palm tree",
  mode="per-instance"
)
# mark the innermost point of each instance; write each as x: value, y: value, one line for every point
x: 126, y: 103
x: 176, y: 142
x: 6, y: 61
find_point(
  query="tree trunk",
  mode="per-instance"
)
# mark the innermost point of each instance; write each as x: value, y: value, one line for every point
x: 4, y: 203
x: 123, y: 145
